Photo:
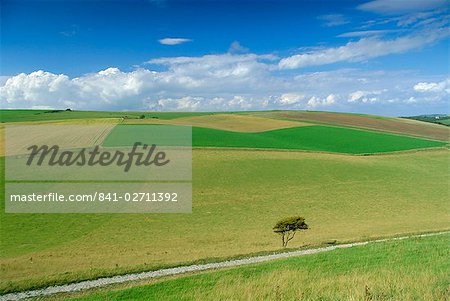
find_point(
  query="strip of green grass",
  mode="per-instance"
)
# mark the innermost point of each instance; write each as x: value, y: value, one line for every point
x: 413, y: 269
x: 43, y: 115
x: 314, y: 138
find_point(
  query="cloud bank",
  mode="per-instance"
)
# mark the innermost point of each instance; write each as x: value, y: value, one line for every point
x: 226, y: 82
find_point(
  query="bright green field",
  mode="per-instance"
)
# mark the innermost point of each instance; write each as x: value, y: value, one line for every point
x: 414, y: 269
x: 238, y: 195
x: 313, y: 138
x: 42, y: 115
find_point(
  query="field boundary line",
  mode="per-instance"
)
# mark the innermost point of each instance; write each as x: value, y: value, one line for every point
x: 100, y: 282
x: 369, y: 129
x: 398, y: 152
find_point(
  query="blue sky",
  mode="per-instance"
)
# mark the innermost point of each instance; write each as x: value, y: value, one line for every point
x: 388, y: 57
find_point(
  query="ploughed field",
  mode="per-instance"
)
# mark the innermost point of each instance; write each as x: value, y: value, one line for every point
x: 238, y: 195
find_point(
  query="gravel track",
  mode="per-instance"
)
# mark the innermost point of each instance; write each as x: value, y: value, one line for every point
x: 84, y: 285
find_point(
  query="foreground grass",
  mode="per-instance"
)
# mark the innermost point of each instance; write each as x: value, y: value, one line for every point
x: 315, y: 138
x: 237, y: 198
x: 413, y: 269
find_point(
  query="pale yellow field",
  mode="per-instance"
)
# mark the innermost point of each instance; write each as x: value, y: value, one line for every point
x: 229, y: 122
x: 94, y: 121
x: 65, y: 135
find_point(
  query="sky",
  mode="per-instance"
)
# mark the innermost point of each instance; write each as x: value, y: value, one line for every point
x: 384, y: 57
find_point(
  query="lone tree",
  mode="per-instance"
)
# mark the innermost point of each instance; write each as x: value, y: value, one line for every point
x: 288, y: 226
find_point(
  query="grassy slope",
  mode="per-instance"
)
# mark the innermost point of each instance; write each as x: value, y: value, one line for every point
x: 316, y: 138
x: 240, y: 194
x: 416, y: 269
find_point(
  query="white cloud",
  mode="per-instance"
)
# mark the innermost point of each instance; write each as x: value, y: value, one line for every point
x: 354, y: 96
x: 425, y: 87
x: 226, y: 82
x: 364, y: 49
x: 315, y: 101
x: 187, y: 103
x: 331, y: 99
x: 333, y: 20
x: 392, y: 7
x: 30, y: 87
x: 365, y: 96
x: 290, y: 98
x: 173, y: 41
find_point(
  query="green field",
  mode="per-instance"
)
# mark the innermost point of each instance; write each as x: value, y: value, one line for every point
x: 238, y: 195
x: 312, y: 138
x: 47, y: 115
x: 415, y: 269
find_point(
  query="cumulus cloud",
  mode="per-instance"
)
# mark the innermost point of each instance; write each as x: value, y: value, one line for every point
x: 290, y: 98
x: 427, y: 87
x: 315, y: 101
x: 225, y: 82
x: 392, y: 7
x: 364, y: 49
x: 364, y: 96
x: 173, y: 41
x: 29, y: 88
x: 97, y: 90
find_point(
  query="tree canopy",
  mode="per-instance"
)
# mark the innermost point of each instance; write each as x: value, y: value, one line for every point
x: 287, y: 228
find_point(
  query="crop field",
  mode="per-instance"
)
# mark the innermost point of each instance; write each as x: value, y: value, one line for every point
x: 228, y: 122
x: 407, y: 270
x: 313, y: 138
x: 74, y: 135
x: 394, y: 125
x: 342, y: 197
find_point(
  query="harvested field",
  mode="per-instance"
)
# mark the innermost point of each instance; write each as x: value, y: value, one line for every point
x: 393, y: 125
x: 64, y: 135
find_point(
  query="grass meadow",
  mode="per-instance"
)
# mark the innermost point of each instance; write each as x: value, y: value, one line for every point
x: 407, y: 270
x: 238, y: 196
